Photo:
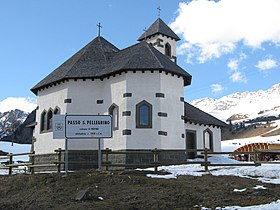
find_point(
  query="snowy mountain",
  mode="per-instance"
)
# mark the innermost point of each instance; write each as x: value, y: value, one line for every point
x: 13, y: 126
x: 243, y: 105
x: 10, y: 121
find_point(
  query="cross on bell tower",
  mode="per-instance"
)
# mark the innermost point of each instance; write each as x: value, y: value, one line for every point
x: 159, y: 10
x: 145, y: 31
x: 99, y: 28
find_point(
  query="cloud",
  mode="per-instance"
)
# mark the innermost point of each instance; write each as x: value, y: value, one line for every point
x: 267, y: 64
x: 217, y: 88
x: 238, y: 76
x: 24, y: 104
x: 233, y: 64
x: 235, y: 74
x: 214, y: 28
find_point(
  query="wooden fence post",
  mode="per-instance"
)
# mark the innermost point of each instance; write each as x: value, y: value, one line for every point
x: 155, y: 153
x: 255, y: 155
x: 206, y: 159
x: 10, y: 163
x: 32, y: 169
x: 59, y: 160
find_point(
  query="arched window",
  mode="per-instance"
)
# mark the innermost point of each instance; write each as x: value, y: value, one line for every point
x: 56, y: 110
x: 49, y: 119
x: 143, y: 115
x: 43, y: 122
x: 114, y: 112
x: 208, y: 139
x: 167, y: 49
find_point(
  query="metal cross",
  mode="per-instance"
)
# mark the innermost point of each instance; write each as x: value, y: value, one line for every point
x: 159, y: 9
x: 99, y: 28
x: 145, y: 29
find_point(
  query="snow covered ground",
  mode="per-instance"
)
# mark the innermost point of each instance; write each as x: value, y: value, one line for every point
x: 267, y: 173
x: 15, y: 149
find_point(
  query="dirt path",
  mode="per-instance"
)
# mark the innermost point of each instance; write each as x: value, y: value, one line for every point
x: 129, y: 190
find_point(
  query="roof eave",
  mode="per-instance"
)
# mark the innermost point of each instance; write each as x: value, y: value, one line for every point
x: 141, y: 38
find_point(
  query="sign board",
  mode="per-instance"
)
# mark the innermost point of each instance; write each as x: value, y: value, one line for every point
x: 88, y: 126
x: 82, y: 126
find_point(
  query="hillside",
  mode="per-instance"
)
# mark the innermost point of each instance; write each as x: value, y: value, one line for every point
x: 245, y: 105
x: 13, y: 126
x: 249, y: 114
x: 129, y: 190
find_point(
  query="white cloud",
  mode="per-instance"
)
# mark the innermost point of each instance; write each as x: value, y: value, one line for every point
x: 233, y: 64
x: 216, y: 88
x: 238, y: 76
x: 267, y: 64
x: 235, y: 74
x: 24, y: 104
x: 215, y: 28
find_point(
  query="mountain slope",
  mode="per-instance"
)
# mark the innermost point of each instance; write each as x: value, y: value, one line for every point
x: 246, y: 104
x: 13, y: 126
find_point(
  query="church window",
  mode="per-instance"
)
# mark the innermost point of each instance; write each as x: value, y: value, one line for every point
x: 56, y: 110
x: 208, y: 139
x: 167, y: 49
x: 43, y: 121
x: 49, y: 119
x: 143, y: 115
x: 114, y: 112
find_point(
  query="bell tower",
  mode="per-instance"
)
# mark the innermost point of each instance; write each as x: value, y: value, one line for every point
x: 162, y: 38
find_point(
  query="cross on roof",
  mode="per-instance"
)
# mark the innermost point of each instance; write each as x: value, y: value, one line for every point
x: 159, y: 9
x: 145, y: 29
x: 99, y: 28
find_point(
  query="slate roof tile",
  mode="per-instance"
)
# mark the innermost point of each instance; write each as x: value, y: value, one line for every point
x: 100, y: 58
x: 159, y: 27
x: 195, y: 115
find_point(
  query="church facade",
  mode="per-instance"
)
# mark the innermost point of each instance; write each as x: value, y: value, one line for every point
x: 141, y: 87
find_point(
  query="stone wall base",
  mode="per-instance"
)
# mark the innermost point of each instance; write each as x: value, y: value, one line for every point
x: 88, y: 159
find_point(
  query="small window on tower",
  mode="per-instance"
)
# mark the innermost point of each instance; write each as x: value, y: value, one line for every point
x: 167, y: 49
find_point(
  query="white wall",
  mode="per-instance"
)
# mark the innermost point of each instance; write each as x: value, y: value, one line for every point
x: 143, y: 86
x: 199, y: 135
x: 49, y: 98
x: 172, y: 88
x: 165, y: 39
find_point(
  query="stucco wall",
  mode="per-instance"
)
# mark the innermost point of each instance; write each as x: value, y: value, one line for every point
x: 49, y: 98
x: 143, y: 86
x: 199, y: 135
x: 161, y: 46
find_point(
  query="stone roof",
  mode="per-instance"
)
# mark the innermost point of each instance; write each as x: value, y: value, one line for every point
x: 100, y: 59
x: 159, y: 27
x: 86, y: 63
x: 195, y: 115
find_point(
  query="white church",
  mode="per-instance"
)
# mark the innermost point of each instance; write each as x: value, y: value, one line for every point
x: 141, y: 87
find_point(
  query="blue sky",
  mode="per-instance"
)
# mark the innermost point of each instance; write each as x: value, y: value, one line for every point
x: 227, y: 46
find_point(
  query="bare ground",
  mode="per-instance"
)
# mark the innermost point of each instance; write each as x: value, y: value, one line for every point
x: 128, y: 190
